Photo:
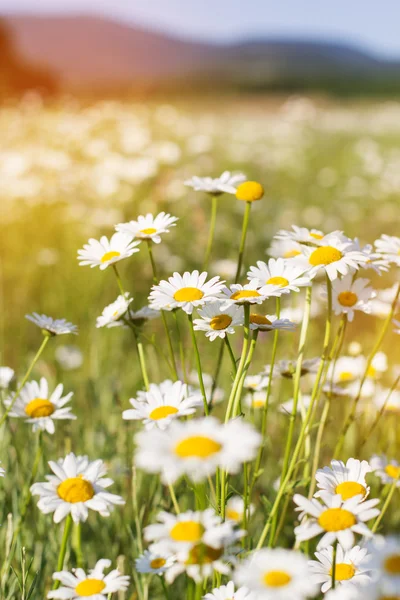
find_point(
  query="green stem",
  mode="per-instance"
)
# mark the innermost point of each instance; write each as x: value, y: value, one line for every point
x: 217, y: 371
x: 78, y: 544
x: 164, y: 587
x: 119, y: 281
x: 242, y: 362
x: 232, y: 356
x: 245, y: 225
x: 385, y: 506
x: 63, y: 548
x: 198, y: 365
x: 237, y: 410
x: 379, y: 415
x: 181, y: 348
x: 214, y: 204
x: 173, y: 498
x: 334, y: 565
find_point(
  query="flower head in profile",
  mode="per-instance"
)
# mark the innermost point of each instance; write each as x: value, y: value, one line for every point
x: 148, y: 227
x: 226, y: 183
x: 144, y: 314
x: 6, y: 377
x: 152, y: 561
x: 36, y: 405
x: 160, y: 406
x: 388, y: 248
x: 249, y: 191
x: 349, y: 296
x: 302, y: 235
x: 196, y: 448
x: 347, y: 480
x: 95, y: 584
x: 187, y: 291
x: 227, y: 592
x: 287, y: 368
x: 216, y: 322
x: 388, y: 470
x: 52, y: 326
x: 284, y: 248
x: 113, y: 314
x: 104, y: 252
x: 243, y: 294
x: 270, y: 323
x: 350, y: 567
x: 282, y: 275
x: 235, y: 509
x: 336, y: 258
x: 76, y: 486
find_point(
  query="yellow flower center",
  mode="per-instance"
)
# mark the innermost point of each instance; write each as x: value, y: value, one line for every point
x: 392, y: 564
x: 188, y: 294
x: 343, y: 572
x: 233, y: 514
x: 202, y: 554
x: 280, y: 281
x: 316, y: 236
x: 347, y: 298
x: 372, y: 372
x: 157, y: 563
x: 187, y: 531
x: 197, y: 446
x: 259, y: 320
x: 346, y: 376
x: 220, y: 322
x: 258, y: 403
x: 75, y: 489
x: 39, y: 407
x: 392, y: 471
x: 162, y: 411
x: 109, y: 255
x: 240, y: 294
x: 291, y: 253
x: 249, y: 191
x: 349, y: 489
x: 336, y: 519
x: 148, y: 231
x: 277, y: 578
x: 325, y: 255
x: 90, y: 587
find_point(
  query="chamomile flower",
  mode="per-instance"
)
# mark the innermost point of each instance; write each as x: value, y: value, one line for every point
x: 96, y: 584
x: 351, y: 592
x: 114, y: 312
x: 256, y: 383
x: 69, y: 357
x: 287, y: 249
x: 225, y: 183
x: 282, y: 275
x: 338, y: 257
x: 270, y: 323
x: 76, y: 486
x: 335, y: 519
x: 242, y: 294
x: 106, y: 252
x: 154, y: 562
x: 6, y: 377
x: 158, y: 407
x: 186, y: 291
x: 196, y: 448
x: 346, y: 369
x: 379, y: 366
x: 249, y: 191
x: 36, y: 405
x: 390, y: 399
x: 387, y: 470
x: 303, y: 403
x: 52, y: 326
x: 287, y: 368
x: 217, y: 323
x: 148, y: 227
x: 349, y: 296
x: 385, y: 561
x: 347, y: 480
x: 301, y: 235
x: 276, y: 574
x: 256, y: 400
x: 350, y: 568
x: 388, y: 247
x: 235, y: 509
x: 227, y: 592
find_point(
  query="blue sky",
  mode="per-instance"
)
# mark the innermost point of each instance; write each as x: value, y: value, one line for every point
x: 372, y: 24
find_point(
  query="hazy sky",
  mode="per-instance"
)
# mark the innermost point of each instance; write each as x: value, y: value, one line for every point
x: 373, y: 24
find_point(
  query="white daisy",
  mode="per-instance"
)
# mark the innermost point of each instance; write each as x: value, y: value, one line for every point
x: 301, y: 235
x: 385, y: 561
x: 148, y: 227
x: 226, y: 183
x: 350, y: 568
x: 387, y: 470
x: 227, y: 592
x: 346, y: 369
x: 378, y: 366
x: 243, y: 294
x: 388, y: 248
x: 375, y: 262
x: 349, y: 296
x: 6, y: 377
x: 270, y: 323
x: 69, y: 357
x: 113, y: 313
x: 256, y: 400
x: 217, y: 323
x: 276, y: 574
x: 287, y: 249
x: 158, y: 407
x: 281, y: 273
x: 302, y: 404
x: 95, y: 584
x: 287, y: 368
x: 36, y: 405
x: 336, y: 519
x: 185, y: 291
x: 154, y: 562
x: 196, y: 448
x: 256, y: 383
x: 52, y: 326
x: 235, y: 509
x: 347, y: 480
x: 106, y: 252
x: 76, y: 486
x: 336, y: 258
x: 388, y: 398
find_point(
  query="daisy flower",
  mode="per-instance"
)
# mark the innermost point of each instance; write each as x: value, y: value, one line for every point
x: 336, y: 519
x: 235, y: 509
x: 97, y: 585
x: 38, y: 406
x: 351, y: 592
x: 225, y: 183
x: 196, y: 448
x: 256, y: 383
x: 349, y: 296
x: 186, y: 291
x: 227, y: 592
x: 113, y: 313
x: 69, y: 357
x: 217, y: 323
x: 287, y: 368
x: 256, y: 400
x: 76, y: 486
x: 270, y: 323
x: 302, y: 404
x: 385, y: 560
x: 336, y: 258
x: 148, y: 227
x: 276, y: 574
x: 242, y: 294
x: 387, y: 470
x: 6, y: 377
x: 154, y: 562
x: 106, y: 252
x: 378, y: 366
x: 302, y: 235
x: 158, y: 408
x: 347, y: 480
x: 52, y: 326
x: 286, y: 249
x: 346, y: 369
x: 281, y: 273
x: 350, y: 568
x: 390, y: 399
x: 388, y: 248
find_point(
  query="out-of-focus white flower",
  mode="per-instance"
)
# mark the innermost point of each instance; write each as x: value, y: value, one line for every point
x: 69, y: 357
x: 226, y: 183
x: 6, y: 377
x: 52, y: 326
x: 148, y: 227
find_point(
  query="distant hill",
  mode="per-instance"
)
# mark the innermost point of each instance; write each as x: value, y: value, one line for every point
x: 90, y: 53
